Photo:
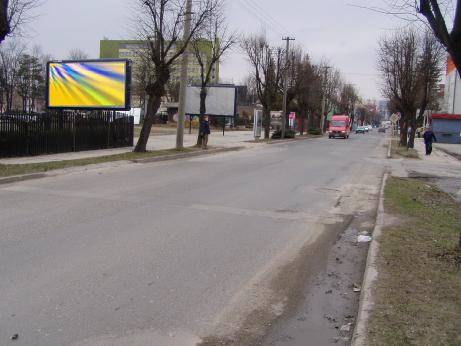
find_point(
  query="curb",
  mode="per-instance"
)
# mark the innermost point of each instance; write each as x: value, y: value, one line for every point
x: 24, y: 177
x: 371, y: 273
x: 456, y: 156
x: 389, y: 148
x: 16, y: 178
x: 186, y: 155
x: 296, y: 139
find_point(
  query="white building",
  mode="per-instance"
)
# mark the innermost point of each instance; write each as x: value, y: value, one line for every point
x: 452, y: 89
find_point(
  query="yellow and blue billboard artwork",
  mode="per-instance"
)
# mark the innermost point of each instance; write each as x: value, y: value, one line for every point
x: 87, y: 84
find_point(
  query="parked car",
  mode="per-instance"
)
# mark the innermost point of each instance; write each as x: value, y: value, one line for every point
x: 382, y: 129
x: 360, y: 129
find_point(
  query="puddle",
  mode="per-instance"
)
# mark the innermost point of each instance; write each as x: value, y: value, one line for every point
x: 332, y: 298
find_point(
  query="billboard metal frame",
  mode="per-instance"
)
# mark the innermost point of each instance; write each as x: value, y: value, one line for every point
x: 127, y: 84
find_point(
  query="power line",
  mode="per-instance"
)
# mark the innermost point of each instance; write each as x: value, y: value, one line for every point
x: 258, y: 8
x: 260, y: 17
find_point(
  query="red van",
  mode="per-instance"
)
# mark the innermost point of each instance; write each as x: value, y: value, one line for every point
x: 340, y: 126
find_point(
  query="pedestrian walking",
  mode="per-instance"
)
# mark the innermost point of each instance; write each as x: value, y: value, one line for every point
x: 205, y: 131
x: 429, y: 138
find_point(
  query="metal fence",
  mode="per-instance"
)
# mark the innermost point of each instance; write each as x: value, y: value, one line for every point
x: 36, y: 134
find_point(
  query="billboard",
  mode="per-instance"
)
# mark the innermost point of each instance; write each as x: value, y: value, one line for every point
x: 89, y: 84
x: 220, y: 101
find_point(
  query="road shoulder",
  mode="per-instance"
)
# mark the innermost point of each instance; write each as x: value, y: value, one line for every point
x: 22, y: 172
x: 416, y: 285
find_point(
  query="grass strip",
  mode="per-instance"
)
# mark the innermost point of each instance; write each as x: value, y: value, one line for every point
x: 418, y: 291
x: 7, y: 170
x: 403, y: 151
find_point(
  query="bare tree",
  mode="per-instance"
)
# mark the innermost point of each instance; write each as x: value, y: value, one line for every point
x: 10, y: 54
x: 450, y: 40
x: 430, y: 70
x: 304, y: 92
x: 173, y: 88
x: 398, y: 64
x: 161, y: 25
x: 410, y: 69
x: 294, y: 66
x: 267, y: 69
x: 347, y: 100
x: 30, y: 85
x: 209, y: 45
x: 334, y: 85
x: 14, y: 14
x: 443, y: 17
x: 77, y: 54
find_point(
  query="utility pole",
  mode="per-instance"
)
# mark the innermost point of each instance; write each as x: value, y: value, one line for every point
x: 183, y: 82
x: 285, y: 86
x: 324, y: 100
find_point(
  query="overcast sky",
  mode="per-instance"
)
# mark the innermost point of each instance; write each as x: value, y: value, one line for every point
x: 347, y: 36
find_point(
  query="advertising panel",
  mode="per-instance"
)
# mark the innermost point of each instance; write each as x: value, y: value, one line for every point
x: 89, y: 84
x: 220, y: 101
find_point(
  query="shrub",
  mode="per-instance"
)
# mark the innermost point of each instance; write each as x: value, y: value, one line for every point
x: 288, y: 134
x: 314, y: 132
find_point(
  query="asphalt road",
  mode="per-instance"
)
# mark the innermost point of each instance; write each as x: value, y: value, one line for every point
x: 168, y: 253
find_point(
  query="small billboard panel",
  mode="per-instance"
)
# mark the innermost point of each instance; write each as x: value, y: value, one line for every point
x: 220, y: 101
x: 89, y: 84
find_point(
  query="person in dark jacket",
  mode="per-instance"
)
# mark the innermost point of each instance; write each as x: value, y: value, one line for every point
x: 429, y: 138
x: 204, y: 131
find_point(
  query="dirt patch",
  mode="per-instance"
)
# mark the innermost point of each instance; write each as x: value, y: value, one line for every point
x: 287, y: 290
x: 418, y: 291
x: 328, y: 312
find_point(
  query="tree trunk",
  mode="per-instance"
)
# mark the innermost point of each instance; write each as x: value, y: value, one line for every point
x: 152, y: 107
x: 266, y: 122
x: 302, y: 114
x: 4, y: 24
x: 411, y: 142
x: 403, y: 132
x: 9, y: 100
x: 456, y: 57
x: 411, y: 139
x: 203, y: 95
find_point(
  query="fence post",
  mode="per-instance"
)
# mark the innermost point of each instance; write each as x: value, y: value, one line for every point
x: 74, y: 135
x: 108, y: 128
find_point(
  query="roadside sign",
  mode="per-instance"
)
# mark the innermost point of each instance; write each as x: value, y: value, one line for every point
x: 257, y: 126
x: 395, y: 118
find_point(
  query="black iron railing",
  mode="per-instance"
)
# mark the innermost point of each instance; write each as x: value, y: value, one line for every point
x: 37, y: 134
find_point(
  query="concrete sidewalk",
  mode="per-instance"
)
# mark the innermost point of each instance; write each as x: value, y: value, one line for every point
x: 161, y: 142
x: 440, y: 167
x: 439, y: 153
x: 453, y: 149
